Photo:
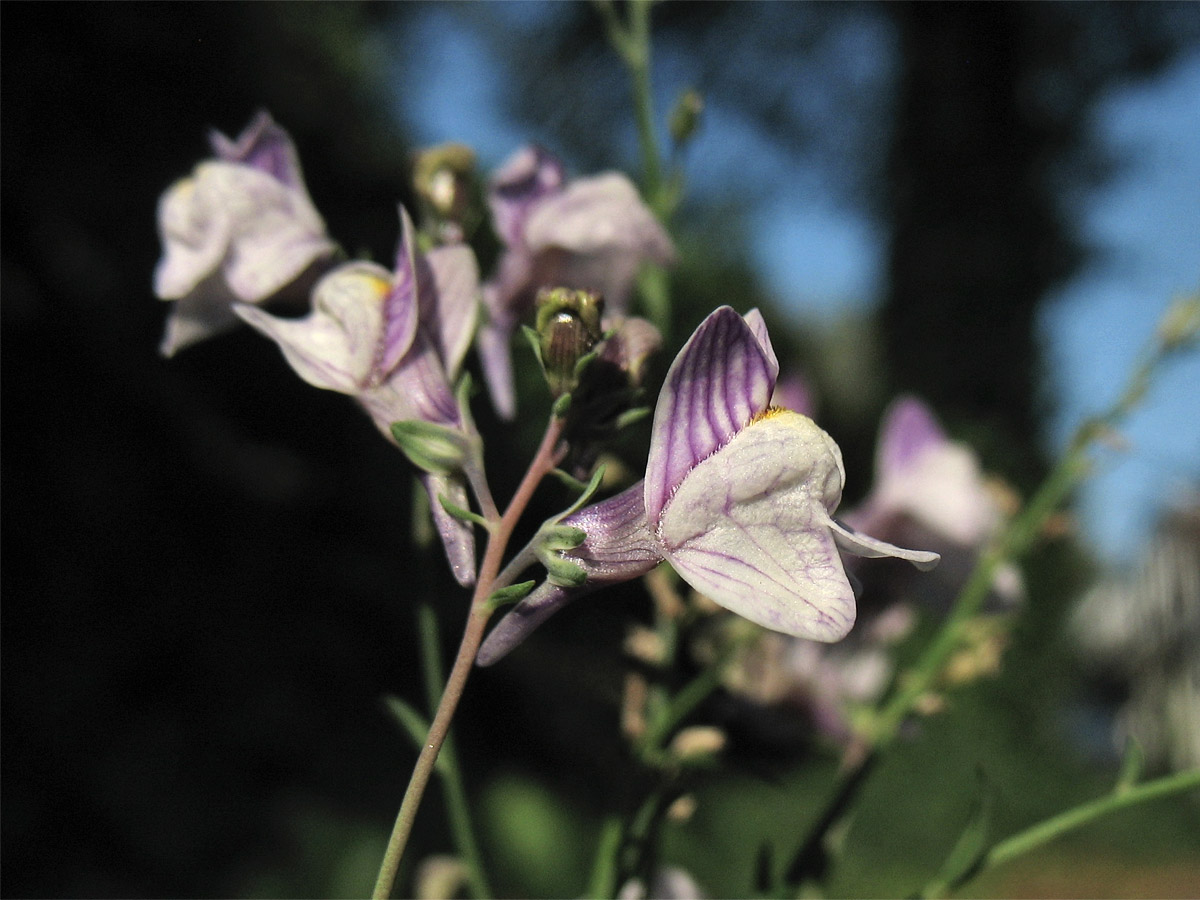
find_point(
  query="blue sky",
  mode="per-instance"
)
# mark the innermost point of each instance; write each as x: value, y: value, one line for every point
x: 821, y: 257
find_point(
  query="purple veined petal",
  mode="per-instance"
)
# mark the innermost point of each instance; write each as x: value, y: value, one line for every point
x: 748, y: 527
x: 262, y: 145
x: 449, y: 301
x: 757, y: 324
x: 458, y: 537
x: 525, y: 179
x: 400, y: 306
x: 314, y: 346
x: 872, y: 548
x: 416, y: 389
x: 909, y: 428
x: 720, y: 380
x: 597, y: 215
x: 619, y: 544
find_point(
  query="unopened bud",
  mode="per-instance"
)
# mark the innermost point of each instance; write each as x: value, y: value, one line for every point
x: 568, y: 327
x: 685, y: 117
x: 698, y: 741
x: 1180, y: 326
x: 444, y: 181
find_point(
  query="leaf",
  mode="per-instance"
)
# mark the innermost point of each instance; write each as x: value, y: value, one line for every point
x: 970, y: 848
x: 1132, y: 765
x: 593, y: 485
x: 562, y: 537
x: 414, y: 723
x: 459, y: 513
x: 433, y: 448
x: 506, y: 596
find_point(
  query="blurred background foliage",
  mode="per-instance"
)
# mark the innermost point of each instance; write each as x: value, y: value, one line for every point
x: 208, y: 575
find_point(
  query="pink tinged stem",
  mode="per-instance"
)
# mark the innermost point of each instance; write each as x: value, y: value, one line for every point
x: 548, y: 455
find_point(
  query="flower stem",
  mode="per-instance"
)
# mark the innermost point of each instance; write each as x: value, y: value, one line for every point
x: 547, y: 457
x: 452, y: 783
x: 811, y: 859
x: 1045, y: 831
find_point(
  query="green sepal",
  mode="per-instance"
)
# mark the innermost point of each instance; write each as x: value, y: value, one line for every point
x: 535, y: 341
x: 506, y: 596
x: 563, y: 572
x: 562, y: 537
x: 562, y: 406
x: 464, y: 515
x: 437, y: 449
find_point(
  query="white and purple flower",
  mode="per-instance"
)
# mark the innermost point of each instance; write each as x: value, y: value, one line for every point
x: 240, y: 229
x: 591, y: 233
x: 394, y: 341
x: 931, y: 490
x: 738, y: 497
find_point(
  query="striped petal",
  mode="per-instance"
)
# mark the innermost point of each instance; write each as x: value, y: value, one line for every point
x: 721, y: 379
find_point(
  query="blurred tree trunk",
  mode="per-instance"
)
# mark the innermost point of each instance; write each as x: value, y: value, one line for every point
x: 977, y: 240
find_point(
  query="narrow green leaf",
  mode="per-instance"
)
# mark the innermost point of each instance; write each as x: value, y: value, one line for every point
x: 535, y: 341
x: 593, y: 485
x: 437, y: 449
x: 569, y: 480
x: 509, y: 595
x: 1133, y: 763
x: 632, y: 415
x: 408, y: 718
x: 413, y: 723
x: 562, y: 406
x: 969, y: 850
x: 562, y: 537
x: 459, y: 513
x: 563, y: 572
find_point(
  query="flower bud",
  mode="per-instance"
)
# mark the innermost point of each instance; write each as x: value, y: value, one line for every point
x: 685, y: 117
x: 568, y: 327
x: 445, y: 183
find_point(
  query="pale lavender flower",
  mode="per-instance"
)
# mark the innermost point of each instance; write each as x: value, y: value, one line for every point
x: 738, y: 497
x: 591, y: 233
x: 932, y: 490
x: 240, y: 229
x: 394, y: 341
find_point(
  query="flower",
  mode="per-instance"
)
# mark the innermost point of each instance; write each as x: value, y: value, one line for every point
x: 395, y: 342
x: 239, y: 229
x: 738, y: 497
x: 592, y: 234
x: 931, y: 490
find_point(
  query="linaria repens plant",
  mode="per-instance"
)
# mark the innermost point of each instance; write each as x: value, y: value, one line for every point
x: 734, y: 520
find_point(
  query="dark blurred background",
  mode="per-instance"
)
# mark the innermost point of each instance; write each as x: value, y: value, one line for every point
x: 208, y: 573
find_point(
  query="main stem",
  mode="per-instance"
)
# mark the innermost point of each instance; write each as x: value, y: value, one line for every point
x: 546, y: 458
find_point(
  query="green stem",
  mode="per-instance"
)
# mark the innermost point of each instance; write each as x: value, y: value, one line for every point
x: 603, y: 882
x: 1054, y: 827
x: 1014, y: 541
x: 451, y: 773
x: 546, y: 458
x: 632, y: 43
